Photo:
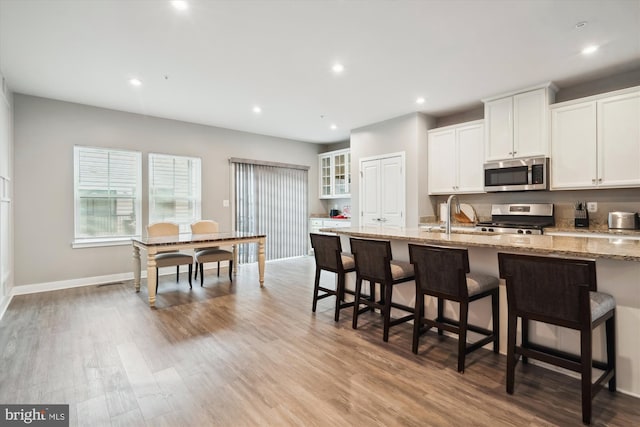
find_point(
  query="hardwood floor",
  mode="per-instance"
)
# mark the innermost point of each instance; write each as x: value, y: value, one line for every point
x: 237, y: 355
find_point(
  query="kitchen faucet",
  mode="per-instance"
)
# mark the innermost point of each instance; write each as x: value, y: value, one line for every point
x: 448, y: 223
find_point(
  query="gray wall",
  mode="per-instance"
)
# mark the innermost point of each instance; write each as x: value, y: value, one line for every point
x: 406, y: 133
x: 45, y: 133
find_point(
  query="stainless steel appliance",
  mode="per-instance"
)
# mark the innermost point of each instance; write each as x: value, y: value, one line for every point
x: 517, y: 174
x: 623, y: 220
x: 518, y: 218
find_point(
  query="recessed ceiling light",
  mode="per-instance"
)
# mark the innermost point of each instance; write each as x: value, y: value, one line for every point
x: 590, y: 49
x: 333, y: 126
x: 257, y: 109
x: 420, y: 100
x: 135, y: 82
x: 337, y: 68
x: 180, y: 4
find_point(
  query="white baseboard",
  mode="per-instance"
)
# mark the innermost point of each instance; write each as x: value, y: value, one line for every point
x: 4, y: 304
x: 84, y: 281
x: 95, y: 280
x: 71, y: 283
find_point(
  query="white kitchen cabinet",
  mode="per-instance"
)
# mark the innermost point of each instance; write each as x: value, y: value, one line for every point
x: 516, y: 125
x: 382, y: 190
x: 455, y: 159
x: 317, y: 224
x: 595, y: 141
x: 335, y: 174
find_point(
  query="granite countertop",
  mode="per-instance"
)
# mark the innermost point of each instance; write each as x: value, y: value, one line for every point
x: 586, y: 247
x: 560, y: 228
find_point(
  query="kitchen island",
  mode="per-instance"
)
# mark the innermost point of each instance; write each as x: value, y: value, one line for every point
x: 618, y: 273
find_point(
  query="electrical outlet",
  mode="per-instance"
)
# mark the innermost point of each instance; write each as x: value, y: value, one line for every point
x: 592, y: 206
x: 225, y: 203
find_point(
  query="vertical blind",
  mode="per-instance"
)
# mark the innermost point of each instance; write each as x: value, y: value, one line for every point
x: 107, y: 192
x: 271, y: 199
x: 174, y: 189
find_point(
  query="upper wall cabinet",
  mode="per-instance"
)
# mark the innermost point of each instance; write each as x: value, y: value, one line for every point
x: 455, y: 159
x: 335, y: 174
x: 595, y: 141
x: 516, y: 125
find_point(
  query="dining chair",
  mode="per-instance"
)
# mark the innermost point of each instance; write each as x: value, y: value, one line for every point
x: 210, y: 254
x: 168, y: 259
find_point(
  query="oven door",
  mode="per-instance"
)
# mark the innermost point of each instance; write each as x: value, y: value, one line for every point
x: 516, y: 175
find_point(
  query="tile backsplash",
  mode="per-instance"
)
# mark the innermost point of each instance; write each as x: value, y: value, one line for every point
x: 624, y: 200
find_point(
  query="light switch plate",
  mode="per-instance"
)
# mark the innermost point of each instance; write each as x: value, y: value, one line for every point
x: 225, y: 203
x: 592, y: 206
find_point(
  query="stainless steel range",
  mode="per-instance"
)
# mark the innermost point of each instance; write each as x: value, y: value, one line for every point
x: 519, y: 218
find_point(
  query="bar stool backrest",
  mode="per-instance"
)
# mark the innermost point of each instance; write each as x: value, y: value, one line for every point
x: 551, y: 290
x: 327, y: 249
x: 441, y: 271
x: 372, y: 259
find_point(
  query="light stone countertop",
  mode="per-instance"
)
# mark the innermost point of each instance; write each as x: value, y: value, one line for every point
x: 585, y: 247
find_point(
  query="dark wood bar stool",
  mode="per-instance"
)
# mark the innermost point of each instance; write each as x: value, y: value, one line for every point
x: 444, y: 273
x: 374, y: 263
x: 327, y: 250
x: 560, y: 292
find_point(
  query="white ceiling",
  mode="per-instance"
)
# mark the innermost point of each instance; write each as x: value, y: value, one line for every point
x: 212, y: 63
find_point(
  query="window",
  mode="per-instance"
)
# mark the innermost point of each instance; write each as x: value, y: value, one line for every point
x: 174, y: 190
x: 107, y: 193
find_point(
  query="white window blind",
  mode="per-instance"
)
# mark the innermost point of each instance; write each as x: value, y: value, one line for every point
x: 174, y: 190
x: 271, y: 199
x: 107, y: 193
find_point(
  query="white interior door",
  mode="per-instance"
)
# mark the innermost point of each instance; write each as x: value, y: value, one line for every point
x: 370, y: 192
x: 392, y: 191
x: 382, y: 191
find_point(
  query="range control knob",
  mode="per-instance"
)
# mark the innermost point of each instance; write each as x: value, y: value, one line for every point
x: 528, y: 232
x: 520, y: 232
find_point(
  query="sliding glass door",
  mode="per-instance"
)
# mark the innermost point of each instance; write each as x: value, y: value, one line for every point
x: 271, y: 199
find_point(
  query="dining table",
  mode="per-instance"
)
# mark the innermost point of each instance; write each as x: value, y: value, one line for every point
x: 189, y: 241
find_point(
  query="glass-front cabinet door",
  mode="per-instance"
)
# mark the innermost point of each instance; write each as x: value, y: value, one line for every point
x: 340, y: 174
x: 325, y: 176
x: 335, y: 174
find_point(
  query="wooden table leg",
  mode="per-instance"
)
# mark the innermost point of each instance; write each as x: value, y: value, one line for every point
x: 152, y: 278
x: 136, y: 267
x: 261, y: 261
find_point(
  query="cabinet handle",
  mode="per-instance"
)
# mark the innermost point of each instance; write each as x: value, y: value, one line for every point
x: 510, y: 153
x: 593, y: 181
x: 515, y: 152
x: 599, y: 179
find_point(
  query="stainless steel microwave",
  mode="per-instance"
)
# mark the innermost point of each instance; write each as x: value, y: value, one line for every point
x: 517, y: 174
